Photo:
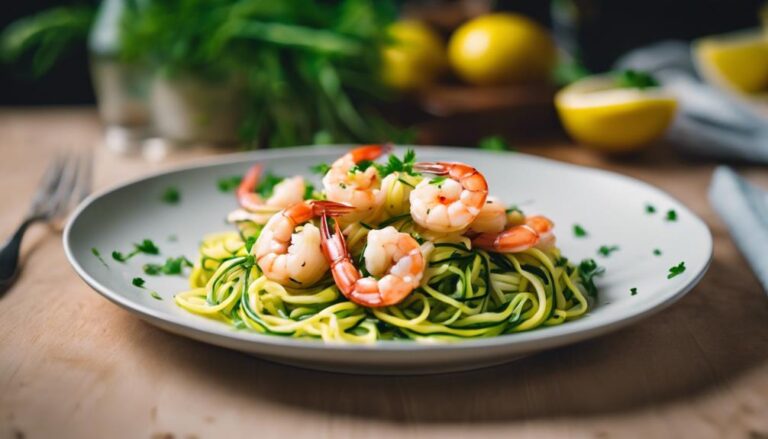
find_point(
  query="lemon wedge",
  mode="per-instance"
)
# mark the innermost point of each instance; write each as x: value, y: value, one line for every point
x: 597, y: 113
x: 738, y: 62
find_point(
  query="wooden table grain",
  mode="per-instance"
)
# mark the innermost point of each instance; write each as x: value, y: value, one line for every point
x: 74, y: 365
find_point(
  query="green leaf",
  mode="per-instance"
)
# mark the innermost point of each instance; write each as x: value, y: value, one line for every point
x: 676, y: 270
x: 650, y: 209
x: 228, y: 184
x: 635, y: 79
x: 588, y: 270
x: 147, y: 246
x: 309, y: 191
x: 267, y: 185
x: 606, y: 250
x: 656, y: 252
x: 579, y: 231
x: 437, y: 180
x: 138, y: 282
x: 633, y: 291
x: 671, y: 215
x: 249, y: 243
x: 171, y: 195
x: 395, y: 164
x: 320, y: 168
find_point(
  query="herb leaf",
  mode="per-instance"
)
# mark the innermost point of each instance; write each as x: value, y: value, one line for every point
x: 676, y: 270
x: 97, y: 253
x: 579, y: 231
x: 437, y: 180
x: 361, y: 167
x: 171, y: 195
x: 155, y: 295
x: 267, y: 185
x: 320, y: 168
x: 395, y: 164
x: 147, y: 246
x: 171, y: 266
x: 607, y: 250
x: 635, y: 79
x: 633, y: 291
x: 138, y: 282
x: 249, y: 243
x: 228, y: 184
x: 650, y: 209
x: 656, y: 252
x: 309, y: 191
x: 588, y: 270
x: 493, y: 143
x: 671, y: 215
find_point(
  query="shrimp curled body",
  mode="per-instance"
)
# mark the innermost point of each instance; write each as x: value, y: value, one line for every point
x: 290, y: 257
x: 536, y: 232
x: 344, y: 183
x: 394, y: 257
x: 450, y: 204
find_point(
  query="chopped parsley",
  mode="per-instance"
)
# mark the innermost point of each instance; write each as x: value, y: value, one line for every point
x: 228, y: 184
x: 155, y: 295
x: 493, y: 143
x: 395, y: 164
x: 437, y: 180
x: 146, y: 246
x: 97, y: 253
x: 309, y: 191
x: 172, y: 266
x: 588, y: 270
x: 650, y: 209
x: 138, y: 282
x: 249, y: 243
x: 171, y: 195
x: 656, y: 252
x: 561, y: 261
x: 320, y: 168
x: 361, y: 167
x: 606, y: 250
x: 635, y: 79
x: 267, y: 185
x: 671, y: 215
x: 676, y: 270
x: 633, y: 291
x: 579, y: 231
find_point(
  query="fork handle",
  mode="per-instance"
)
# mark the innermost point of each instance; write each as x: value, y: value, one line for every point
x: 9, y: 254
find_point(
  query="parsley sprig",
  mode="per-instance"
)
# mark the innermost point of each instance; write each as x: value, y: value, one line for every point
x: 579, y: 231
x: 171, y: 195
x: 170, y: 267
x: 588, y: 270
x: 606, y: 250
x: 676, y: 270
x: 396, y: 164
x: 146, y: 246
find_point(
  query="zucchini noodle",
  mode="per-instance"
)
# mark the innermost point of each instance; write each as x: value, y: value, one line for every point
x: 464, y: 293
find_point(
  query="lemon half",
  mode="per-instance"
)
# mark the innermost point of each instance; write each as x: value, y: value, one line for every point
x: 598, y: 114
x: 415, y: 57
x: 738, y: 62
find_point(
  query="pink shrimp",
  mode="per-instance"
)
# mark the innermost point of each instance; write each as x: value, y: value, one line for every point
x: 393, y: 256
x: 359, y: 189
x: 285, y: 193
x: 536, y: 232
x: 295, y: 258
x: 450, y: 204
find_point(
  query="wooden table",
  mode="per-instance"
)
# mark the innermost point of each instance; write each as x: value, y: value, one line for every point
x: 74, y: 365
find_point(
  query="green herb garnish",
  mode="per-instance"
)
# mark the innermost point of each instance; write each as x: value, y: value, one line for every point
x: 656, y: 252
x: 676, y: 270
x: 493, y: 143
x: 155, y: 295
x: 588, y: 270
x: 249, y: 243
x: 633, y: 291
x: 650, y: 209
x: 97, y: 253
x: 606, y: 250
x: 579, y: 231
x: 267, y: 185
x: 395, y: 164
x: 172, y: 266
x: 320, y: 168
x: 361, y: 167
x: 635, y: 79
x: 437, y: 180
x: 512, y: 209
x: 171, y: 195
x: 309, y: 191
x: 146, y: 246
x: 138, y: 282
x: 671, y: 215
x: 228, y: 184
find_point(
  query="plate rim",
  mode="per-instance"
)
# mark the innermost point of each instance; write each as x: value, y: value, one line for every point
x: 535, y: 340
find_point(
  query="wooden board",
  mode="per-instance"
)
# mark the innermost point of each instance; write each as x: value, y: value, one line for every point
x: 74, y: 365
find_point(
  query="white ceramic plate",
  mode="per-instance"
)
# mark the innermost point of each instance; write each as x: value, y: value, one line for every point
x: 610, y: 207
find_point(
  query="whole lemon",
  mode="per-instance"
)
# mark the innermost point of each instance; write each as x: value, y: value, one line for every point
x: 501, y: 48
x: 414, y: 58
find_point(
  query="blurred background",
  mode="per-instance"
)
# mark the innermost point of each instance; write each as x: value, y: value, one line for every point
x: 271, y: 74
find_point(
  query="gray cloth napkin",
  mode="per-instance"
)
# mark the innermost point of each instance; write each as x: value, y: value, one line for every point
x: 744, y: 209
x: 710, y: 122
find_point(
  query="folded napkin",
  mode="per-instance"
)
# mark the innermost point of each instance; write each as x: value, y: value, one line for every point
x: 744, y: 209
x: 710, y: 122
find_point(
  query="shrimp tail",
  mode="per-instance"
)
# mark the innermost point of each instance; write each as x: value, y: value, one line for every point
x: 369, y: 152
x: 329, y: 208
x: 537, y: 230
x: 437, y: 168
x: 335, y: 249
x: 246, y: 195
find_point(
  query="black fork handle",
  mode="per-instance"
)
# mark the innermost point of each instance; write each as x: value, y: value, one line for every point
x: 9, y: 255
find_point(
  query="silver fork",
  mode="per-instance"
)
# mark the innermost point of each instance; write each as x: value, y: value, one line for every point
x: 66, y: 182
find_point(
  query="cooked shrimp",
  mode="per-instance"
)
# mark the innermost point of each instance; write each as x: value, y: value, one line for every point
x: 356, y: 188
x: 491, y: 219
x: 536, y: 232
x: 290, y: 257
x: 449, y: 204
x: 394, y: 260
x: 286, y: 193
